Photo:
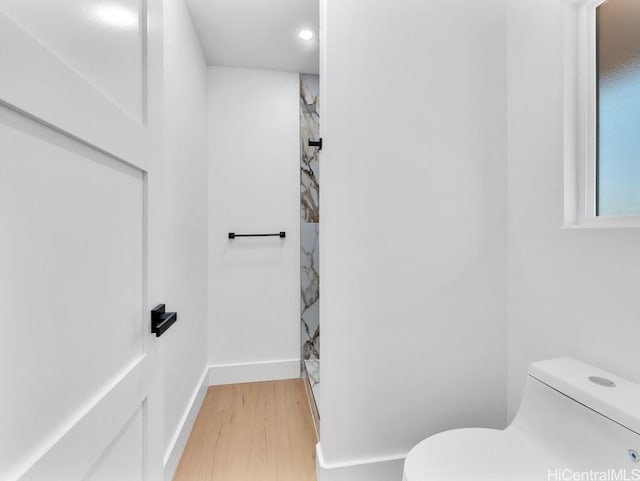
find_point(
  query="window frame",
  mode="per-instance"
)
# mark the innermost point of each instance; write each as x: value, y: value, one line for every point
x: 581, y: 119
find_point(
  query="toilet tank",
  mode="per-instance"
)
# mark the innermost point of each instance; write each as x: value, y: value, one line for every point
x: 583, y: 418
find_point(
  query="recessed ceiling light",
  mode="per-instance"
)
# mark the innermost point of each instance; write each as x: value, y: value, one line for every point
x: 306, y: 34
x: 115, y: 15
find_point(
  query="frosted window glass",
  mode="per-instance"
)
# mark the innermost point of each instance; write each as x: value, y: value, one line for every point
x: 618, y: 166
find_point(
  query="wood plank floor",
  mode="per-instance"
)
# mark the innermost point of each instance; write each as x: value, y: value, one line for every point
x: 252, y: 432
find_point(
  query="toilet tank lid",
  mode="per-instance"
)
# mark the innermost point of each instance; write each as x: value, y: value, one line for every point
x: 620, y: 403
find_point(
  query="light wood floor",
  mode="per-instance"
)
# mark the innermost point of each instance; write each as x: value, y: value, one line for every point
x: 252, y: 432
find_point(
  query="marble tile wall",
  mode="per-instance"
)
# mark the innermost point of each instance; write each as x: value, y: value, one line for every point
x: 309, y: 217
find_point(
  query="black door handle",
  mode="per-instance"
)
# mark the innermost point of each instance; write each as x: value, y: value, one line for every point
x: 162, y: 320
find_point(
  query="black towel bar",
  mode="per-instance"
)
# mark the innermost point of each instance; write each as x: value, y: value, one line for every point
x: 233, y: 235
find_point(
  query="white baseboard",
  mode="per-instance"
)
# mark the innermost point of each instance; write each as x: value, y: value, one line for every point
x: 180, y: 437
x: 387, y: 468
x: 254, y: 372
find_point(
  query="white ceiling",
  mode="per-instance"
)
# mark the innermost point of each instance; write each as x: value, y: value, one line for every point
x: 258, y: 33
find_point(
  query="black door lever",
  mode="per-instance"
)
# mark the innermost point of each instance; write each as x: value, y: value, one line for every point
x: 161, y: 320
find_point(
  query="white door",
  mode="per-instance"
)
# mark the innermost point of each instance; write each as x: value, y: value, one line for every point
x: 80, y: 126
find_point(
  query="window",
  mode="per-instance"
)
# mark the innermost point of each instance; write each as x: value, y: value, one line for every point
x: 602, y: 114
x: 618, y: 108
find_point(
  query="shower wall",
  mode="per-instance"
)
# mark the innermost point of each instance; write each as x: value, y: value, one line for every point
x: 309, y: 218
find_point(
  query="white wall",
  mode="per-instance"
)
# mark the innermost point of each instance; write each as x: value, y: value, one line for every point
x: 413, y: 227
x: 185, y: 264
x: 254, y: 182
x: 572, y: 292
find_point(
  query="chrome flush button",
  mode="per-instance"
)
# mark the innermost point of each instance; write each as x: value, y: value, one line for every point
x: 634, y: 455
x: 602, y: 381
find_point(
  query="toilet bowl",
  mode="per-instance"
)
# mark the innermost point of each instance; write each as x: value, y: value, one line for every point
x: 575, y: 422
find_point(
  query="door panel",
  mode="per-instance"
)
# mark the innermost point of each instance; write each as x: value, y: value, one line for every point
x: 80, y: 187
x: 42, y: 85
x: 73, y: 241
x: 101, y: 41
x: 123, y: 458
x: 84, y: 442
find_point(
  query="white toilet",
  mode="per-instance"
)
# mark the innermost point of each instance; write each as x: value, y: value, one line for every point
x: 574, y: 419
